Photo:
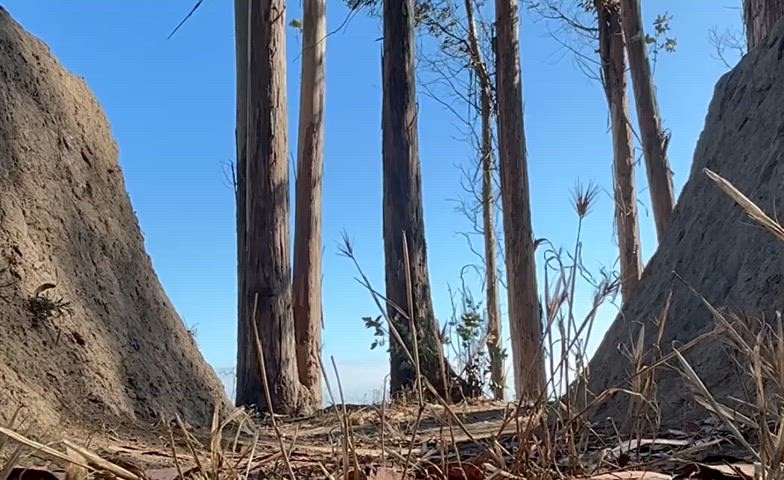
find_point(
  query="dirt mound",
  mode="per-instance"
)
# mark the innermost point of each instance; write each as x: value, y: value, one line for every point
x: 119, y: 351
x: 711, y: 243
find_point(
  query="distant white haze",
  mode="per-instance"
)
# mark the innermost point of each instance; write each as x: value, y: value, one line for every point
x: 362, y: 382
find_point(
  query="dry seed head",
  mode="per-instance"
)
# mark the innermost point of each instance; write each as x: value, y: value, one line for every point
x: 583, y: 197
x: 751, y: 209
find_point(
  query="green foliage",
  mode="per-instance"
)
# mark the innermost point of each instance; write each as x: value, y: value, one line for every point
x: 438, y: 16
x: 469, y: 324
x: 661, y: 41
x: 296, y: 24
x: 379, y: 330
x: 373, y: 6
x: 441, y: 23
x: 45, y: 307
x: 467, y: 335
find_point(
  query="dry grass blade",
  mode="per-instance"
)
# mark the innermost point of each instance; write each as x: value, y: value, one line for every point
x: 347, y: 250
x: 412, y: 321
x: 11, y: 463
x: 237, y: 413
x: 99, y: 463
x: 723, y: 324
x: 170, y: 435
x: 764, y: 353
x: 382, y: 414
x: 720, y: 411
x: 265, y: 383
x: 73, y: 471
x: 252, y: 454
x: 411, y: 444
x: 339, y: 412
x: 217, y: 453
x: 631, y: 475
x: 237, y: 435
x: 637, y: 382
x: 348, y: 434
x: 10, y: 426
x: 751, y: 209
x: 215, y: 442
x: 497, y: 473
x: 40, y: 448
x: 191, y: 447
x: 449, y: 410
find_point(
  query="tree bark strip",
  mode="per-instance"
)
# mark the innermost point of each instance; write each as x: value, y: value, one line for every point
x: 524, y: 313
x: 266, y: 262
x: 613, y: 64
x: 760, y: 16
x: 241, y: 47
x: 403, y: 213
x: 654, y: 140
x: 494, y: 339
x: 307, y: 225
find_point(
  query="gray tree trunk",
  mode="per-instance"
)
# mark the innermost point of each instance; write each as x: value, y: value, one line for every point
x: 403, y: 215
x: 525, y: 322
x: 495, y: 345
x: 307, y: 225
x: 654, y: 140
x: 613, y: 64
x: 759, y: 17
x: 494, y: 339
x: 266, y: 258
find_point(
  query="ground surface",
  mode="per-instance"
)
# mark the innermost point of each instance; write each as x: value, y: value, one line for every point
x: 481, y: 440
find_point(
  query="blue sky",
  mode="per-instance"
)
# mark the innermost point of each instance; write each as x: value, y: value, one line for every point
x: 171, y: 106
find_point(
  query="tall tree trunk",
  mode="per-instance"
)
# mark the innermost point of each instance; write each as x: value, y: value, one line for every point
x: 525, y: 321
x: 266, y: 261
x: 241, y: 47
x: 403, y: 216
x: 760, y: 16
x: 494, y: 339
x: 307, y: 225
x: 612, y: 56
x: 654, y: 140
x: 495, y: 345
